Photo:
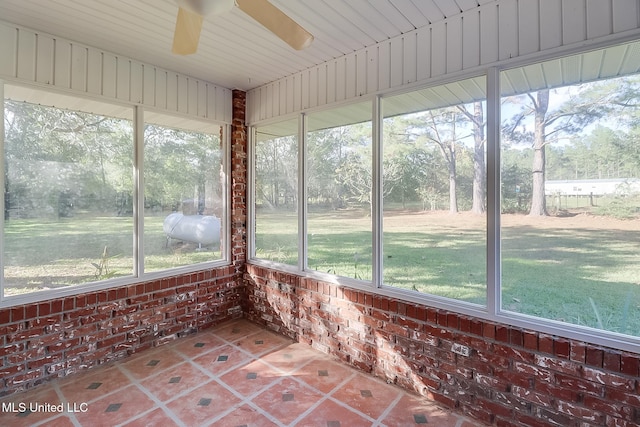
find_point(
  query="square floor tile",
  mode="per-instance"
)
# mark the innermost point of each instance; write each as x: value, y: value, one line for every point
x: 60, y: 421
x: 157, y: 417
x: 323, y: 374
x: 262, y: 342
x: 222, y: 359
x: 202, y: 404
x: 332, y: 414
x: 418, y: 411
x: 94, y: 384
x: 367, y: 395
x: 175, y: 381
x: 237, y: 329
x: 116, y: 408
x: 290, y: 358
x: 150, y: 362
x: 197, y: 345
x: 287, y: 400
x: 17, y: 417
x: 251, y: 378
x: 245, y: 416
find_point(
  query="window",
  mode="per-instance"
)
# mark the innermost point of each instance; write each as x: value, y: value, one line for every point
x: 68, y: 181
x: 519, y: 205
x: 434, y: 191
x: 71, y: 195
x: 183, y: 193
x: 339, y: 190
x: 571, y: 197
x: 276, y: 193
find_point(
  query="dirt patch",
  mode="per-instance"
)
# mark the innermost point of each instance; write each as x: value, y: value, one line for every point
x: 577, y: 220
x: 574, y: 220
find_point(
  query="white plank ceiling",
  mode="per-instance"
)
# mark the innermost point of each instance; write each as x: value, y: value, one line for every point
x: 234, y: 50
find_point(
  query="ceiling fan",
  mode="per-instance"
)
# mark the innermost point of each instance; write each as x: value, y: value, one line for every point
x: 192, y: 12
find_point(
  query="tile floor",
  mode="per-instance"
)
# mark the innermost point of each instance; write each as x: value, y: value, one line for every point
x: 237, y: 374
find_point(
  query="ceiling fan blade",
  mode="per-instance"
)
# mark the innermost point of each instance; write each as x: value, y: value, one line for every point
x: 277, y: 22
x: 187, y: 33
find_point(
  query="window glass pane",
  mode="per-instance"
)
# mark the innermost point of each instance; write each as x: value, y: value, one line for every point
x: 434, y: 191
x: 183, y: 192
x: 68, y: 191
x: 276, y: 193
x: 571, y: 191
x: 339, y: 191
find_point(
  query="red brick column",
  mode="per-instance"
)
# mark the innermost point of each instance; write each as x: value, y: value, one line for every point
x: 238, y: 182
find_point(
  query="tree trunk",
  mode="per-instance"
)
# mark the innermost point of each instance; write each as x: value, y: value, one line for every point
x: 479, y: 181
x: 453, y: 198
x: 538, y: 200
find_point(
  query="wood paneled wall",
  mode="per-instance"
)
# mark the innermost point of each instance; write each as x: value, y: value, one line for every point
x: 31, y: 57
x: 494, y: 33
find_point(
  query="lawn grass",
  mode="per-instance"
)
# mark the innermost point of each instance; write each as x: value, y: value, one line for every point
x: 580, y: 269
x: 46, y: 254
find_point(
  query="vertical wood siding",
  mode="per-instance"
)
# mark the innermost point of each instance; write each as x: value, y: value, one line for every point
x: 496, y: 31
x: 31, y: 57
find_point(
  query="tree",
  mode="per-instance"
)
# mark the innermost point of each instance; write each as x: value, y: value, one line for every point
x: 276, y: 171
x: 584, y: 104
x: 441, y: 129
x: 326, y: 151
x: 58, y: 159
x: 339, y: 166
x: 538, y: 199
x: 178, y: 169
x: 479, y: 170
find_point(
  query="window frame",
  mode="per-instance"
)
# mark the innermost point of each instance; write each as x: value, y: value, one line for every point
x: 305, y: 203
x: 493, y: 310
x: 138, y: 274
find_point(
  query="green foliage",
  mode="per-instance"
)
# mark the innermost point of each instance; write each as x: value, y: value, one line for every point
x: 516, y: 188
x: 60, y: 162
x: 175, y: 162
x: 103, y: 270
x: 614, y: 321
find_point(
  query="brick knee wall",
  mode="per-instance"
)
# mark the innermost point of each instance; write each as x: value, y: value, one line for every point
x: 512, y: 376
x: 55, y: 338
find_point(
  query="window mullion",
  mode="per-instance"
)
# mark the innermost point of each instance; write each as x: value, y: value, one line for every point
x: 376, y: 192
x: 138, y: 192
x: 302, y: 192
x: 493, y: 193
x: 251, y: 191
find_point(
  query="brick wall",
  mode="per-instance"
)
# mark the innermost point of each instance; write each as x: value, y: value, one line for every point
x: 512, y: 376
x: 59, y: 337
